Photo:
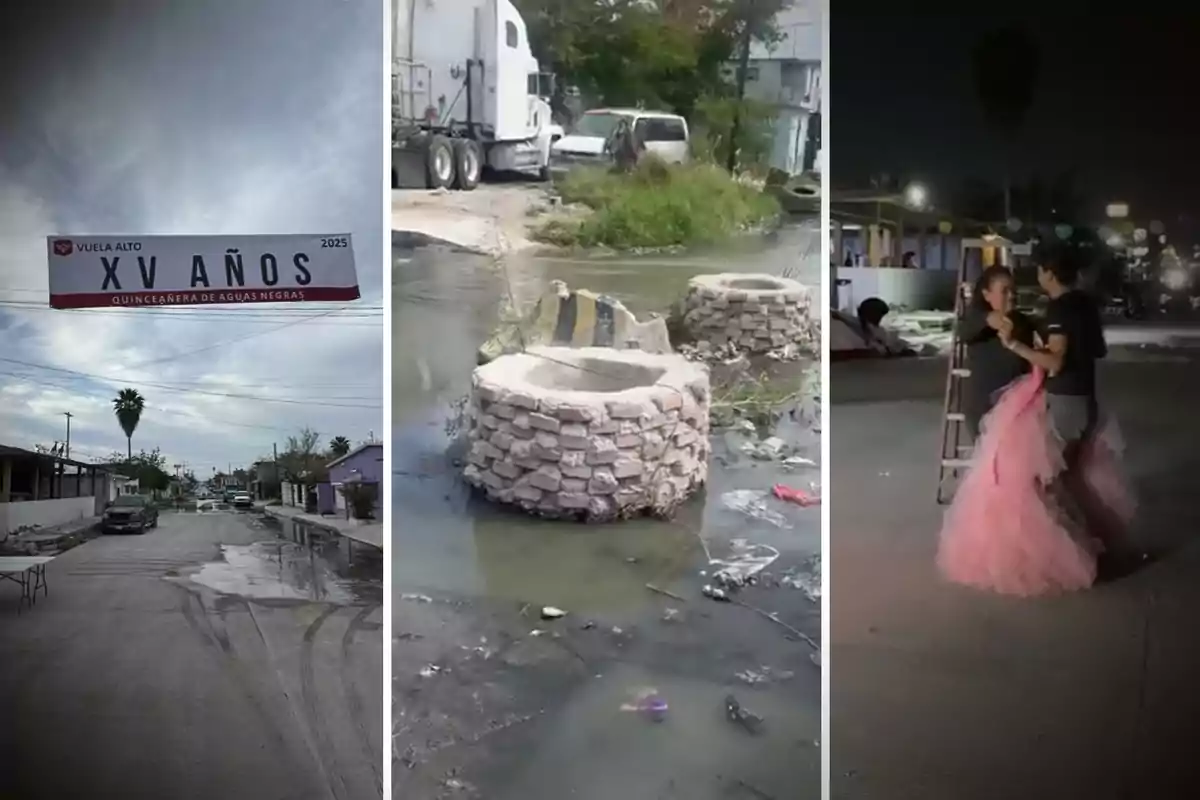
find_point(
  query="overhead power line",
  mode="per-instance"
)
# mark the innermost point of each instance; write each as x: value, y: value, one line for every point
x: 167, y: 388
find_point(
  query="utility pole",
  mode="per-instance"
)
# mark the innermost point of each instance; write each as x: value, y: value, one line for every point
x: 67, y: 445
x: 735, y: 129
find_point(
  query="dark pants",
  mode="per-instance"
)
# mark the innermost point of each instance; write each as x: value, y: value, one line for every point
x: 1073, y: 418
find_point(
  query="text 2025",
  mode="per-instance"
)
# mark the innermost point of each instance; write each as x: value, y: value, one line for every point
x: 339, y: 241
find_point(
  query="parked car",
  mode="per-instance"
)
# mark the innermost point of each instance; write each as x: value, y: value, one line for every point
x: 242, y: 500
x: 130, y: 513
x: 665, y: 135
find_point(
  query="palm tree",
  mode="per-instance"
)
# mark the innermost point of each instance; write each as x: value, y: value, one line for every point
x: 339, y: 446
x: 128, y: 407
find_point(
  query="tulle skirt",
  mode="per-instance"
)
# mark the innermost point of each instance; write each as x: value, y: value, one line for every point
x: 1018, y: 524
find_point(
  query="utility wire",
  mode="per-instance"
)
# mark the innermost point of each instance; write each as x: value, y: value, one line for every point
x: 227, y: 342
x: 166, y: 388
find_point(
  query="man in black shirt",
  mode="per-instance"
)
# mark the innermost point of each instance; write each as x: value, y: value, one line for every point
x: 1074, y: 340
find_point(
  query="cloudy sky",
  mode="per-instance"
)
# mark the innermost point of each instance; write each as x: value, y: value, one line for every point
x: 139, y: 116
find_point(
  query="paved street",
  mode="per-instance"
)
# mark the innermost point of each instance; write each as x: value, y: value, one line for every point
x: 134, y: 680
x: 941, y: 693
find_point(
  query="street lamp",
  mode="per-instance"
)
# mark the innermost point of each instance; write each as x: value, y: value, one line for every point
x: 915, y: 196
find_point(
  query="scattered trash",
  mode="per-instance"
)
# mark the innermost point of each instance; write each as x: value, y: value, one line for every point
x: 753, y: 503
x: 550, y: 612
x: 430, y: 671
x: 665, y: 593
x: 417, y: 598
x: 649, y: 703
x: 715, y: 593
x: 741, y: 716
x: 753, y: 677
x: 771, y: 448
x: 797, y: 496
x: 536, y: 632
x: 745, y: 426
x: 587, y: 626
x: 617, y: 631
x: 806, y: 578
x: 670, y: 615
x: 796, y: 462
x: 745, y: 561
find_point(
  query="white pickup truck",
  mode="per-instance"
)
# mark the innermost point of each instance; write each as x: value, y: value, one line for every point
x: 664, y: 134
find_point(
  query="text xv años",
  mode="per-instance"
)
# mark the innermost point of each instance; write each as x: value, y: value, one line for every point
x: 234, y: 271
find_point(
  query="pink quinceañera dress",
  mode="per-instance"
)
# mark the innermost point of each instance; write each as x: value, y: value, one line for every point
x: 1013, y: 527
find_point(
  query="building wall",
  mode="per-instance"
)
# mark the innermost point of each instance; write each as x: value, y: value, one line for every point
x: 365, y: 466
x: 368, y: 463
x: 45, y: 513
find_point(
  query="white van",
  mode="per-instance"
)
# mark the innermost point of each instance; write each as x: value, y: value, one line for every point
x: 665, y: 135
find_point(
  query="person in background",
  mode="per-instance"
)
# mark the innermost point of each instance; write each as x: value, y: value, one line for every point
x: 870, y: 320
x: 993, y: 365
x: 909, y: 260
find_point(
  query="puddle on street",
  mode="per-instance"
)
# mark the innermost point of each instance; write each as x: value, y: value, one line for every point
x: 448, y: 544
x: 303, y: 563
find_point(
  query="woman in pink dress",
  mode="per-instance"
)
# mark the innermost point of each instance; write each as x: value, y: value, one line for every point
x: 1021, y: 522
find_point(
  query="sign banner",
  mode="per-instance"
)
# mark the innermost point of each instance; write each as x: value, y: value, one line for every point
x: 132, y: 271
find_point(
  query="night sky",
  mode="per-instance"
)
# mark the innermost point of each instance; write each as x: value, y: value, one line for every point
x: 1117, y: 100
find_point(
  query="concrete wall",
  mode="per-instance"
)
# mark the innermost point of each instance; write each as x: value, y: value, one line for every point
x: 926, y: 289
x: 45, y: 513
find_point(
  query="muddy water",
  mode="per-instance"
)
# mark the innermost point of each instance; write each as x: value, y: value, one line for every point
x: 300, y: 563
x: 476, y: 561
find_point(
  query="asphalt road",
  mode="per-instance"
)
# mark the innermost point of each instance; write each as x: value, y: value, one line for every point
x: 130, y: 680
x: 942, y: 693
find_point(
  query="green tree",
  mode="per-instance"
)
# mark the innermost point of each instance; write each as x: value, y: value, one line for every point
x: 1006, y: 63
x: 339, y: 446
x: 665, y: 54
x: 147, y: 467
x: 128, y: 406
x: 302, y: 460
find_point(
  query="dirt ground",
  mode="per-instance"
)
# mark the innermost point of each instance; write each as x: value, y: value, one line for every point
x: 939, y: 692
x: 493, y: 219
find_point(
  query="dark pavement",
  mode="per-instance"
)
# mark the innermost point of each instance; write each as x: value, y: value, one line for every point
x: 939, y: 692
x: 131, y: 680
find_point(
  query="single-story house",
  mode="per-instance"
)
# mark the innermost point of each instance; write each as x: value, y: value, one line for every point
x: 362, y: 465
x: 43, y: 490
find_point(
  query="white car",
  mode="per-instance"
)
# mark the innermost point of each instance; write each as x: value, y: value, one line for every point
x: 665, y: 135
x: 242, y: 500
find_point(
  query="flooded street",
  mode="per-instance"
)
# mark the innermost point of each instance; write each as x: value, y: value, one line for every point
x: 218, y: 655
x: 491, y: 700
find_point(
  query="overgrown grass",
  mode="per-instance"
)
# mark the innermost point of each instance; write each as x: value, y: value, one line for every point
x: 657, y: 206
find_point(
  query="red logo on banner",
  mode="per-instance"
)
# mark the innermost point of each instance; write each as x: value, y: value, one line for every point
x: 63, y: 247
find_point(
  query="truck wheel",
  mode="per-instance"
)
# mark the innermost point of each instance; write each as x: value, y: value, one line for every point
x: 468, y: 164
x: 439, y: 163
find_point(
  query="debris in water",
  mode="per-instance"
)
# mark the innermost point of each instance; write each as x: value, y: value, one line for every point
x: 744, y: 563
x: 430, y: 671
x: 797, y: 496
x: 771, y: 448
x: 649, y: 703
x: 753, y: 503
x: 795, y: 462
x: 417, y: 598
x: 587, y: 626
x: 737, y: 714
x: 715, y: 594
x: 815, y: 657
x: 665, y: 593
x: 550, y: 612
x: 671, y: 615
x: 764, y: 674
x: 536, y: 632
x: 807, y: 578
x: 745, y: 426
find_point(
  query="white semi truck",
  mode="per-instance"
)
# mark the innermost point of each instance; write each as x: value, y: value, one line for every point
x: 467, y: 94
